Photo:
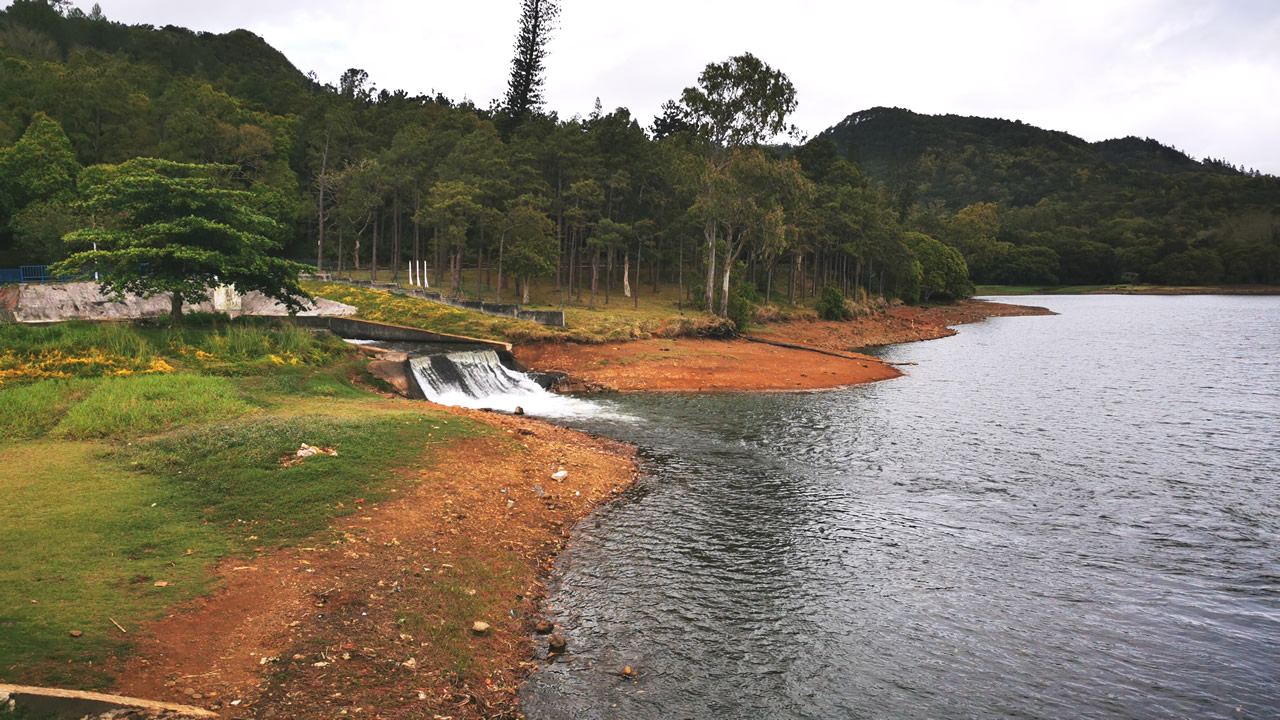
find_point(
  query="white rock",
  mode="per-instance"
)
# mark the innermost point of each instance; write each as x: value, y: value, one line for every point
x: 560, y: 476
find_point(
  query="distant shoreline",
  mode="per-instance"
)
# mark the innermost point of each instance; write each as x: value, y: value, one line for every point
x: 1009, y: 290
x: 802, y: 355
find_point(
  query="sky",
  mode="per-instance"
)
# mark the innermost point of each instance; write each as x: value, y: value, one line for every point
x: 1201, y: 75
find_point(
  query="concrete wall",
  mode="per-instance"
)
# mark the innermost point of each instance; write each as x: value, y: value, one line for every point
x: 354, y: 329
x: 553, y: 318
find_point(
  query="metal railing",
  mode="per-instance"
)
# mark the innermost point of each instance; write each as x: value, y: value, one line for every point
x: 35, y: 275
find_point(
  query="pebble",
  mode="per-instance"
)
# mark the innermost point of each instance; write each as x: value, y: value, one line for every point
x: 560, y: 476
x: 76, y: 633
x: 480, y: 628
x: 557, y: 643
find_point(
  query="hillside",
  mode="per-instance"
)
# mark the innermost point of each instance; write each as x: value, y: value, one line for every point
x: 1104, y: 210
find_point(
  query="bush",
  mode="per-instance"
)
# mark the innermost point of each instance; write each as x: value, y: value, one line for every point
x: 831, y: 305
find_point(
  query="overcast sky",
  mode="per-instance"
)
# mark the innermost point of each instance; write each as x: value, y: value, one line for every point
x: 1203, y: 75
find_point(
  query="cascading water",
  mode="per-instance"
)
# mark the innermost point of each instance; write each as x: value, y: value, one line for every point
x: 478, y: 379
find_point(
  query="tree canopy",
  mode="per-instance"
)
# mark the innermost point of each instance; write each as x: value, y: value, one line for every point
x: 166, y: 227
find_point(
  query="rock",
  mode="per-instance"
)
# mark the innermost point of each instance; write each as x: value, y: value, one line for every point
x: 511, y: 504
x: 76, y: 633
x: 560, y: 476
x: 480, y: 628
x: 519, y: 410
x: 628, y: 672
x: 543, y: 627
x: 557, y: 643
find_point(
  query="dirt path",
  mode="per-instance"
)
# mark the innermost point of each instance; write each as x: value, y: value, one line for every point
x: 694, y: 365
x: 375, y: 620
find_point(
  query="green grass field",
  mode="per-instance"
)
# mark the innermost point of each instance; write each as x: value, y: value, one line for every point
x: 114, y: 483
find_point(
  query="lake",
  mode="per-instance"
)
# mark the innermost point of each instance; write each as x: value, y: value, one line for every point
x: 1074, y: 516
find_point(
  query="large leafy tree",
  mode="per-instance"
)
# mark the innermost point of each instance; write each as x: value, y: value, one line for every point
x: 737, y: 103
x: 166, y: 227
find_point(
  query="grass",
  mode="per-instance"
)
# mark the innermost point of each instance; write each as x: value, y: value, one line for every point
x: 656, y: 316
x: 114, y: 483
x: 208, y: 344
x: 93, y: 541
x: 147, y: 404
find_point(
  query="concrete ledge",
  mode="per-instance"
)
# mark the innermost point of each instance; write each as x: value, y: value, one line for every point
x: 354, y: 329
x: 75, y: 704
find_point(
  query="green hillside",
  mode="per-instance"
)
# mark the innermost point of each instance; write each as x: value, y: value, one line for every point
x: 1099, y: 212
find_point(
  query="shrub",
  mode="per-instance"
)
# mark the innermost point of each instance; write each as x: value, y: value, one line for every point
x: 831, y: 305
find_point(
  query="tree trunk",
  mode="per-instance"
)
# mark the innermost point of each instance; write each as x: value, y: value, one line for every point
x: 395, y: 241
x: 324, y: 164
x: 525, y: 283
x: 340, y: 259
x: 502, y: 239
x: 373, y: 252
x: 626, y: 274
x: 709, y: 231
x: 175, y: 307
x: 595, y: 275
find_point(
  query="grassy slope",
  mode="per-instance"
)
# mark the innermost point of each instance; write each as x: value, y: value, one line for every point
x: 621, y: 319
x: 123, y: 482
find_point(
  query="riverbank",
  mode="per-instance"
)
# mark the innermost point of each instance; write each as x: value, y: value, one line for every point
x: 178, y: 547
x: 996, y: 290
x: 701, y: 365
x: 378, y: 619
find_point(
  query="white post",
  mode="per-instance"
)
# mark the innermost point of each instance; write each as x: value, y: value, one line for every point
x: 95, y: 266
x: 425, y: 282
x: 411, y: 264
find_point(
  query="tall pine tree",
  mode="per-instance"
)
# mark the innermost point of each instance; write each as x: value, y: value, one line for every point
x: 524, y: 90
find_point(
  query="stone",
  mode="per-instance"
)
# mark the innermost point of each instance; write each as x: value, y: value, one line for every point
x: 519, y: 410
x: 76, y: 633
x: 557, y: 643
x: 480, y: 628
x: 560, y: 475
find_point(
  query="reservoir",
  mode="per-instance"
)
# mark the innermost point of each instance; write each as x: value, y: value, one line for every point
x: 1074, y: 516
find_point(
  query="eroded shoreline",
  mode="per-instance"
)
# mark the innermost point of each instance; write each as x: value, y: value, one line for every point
x: 703, y: 365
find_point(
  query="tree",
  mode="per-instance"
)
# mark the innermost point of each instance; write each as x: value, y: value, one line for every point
x: 943, y: 271
x: 739, y: 102
x: 166, y: 227
x: 524, y: 89
x: 527, y: 245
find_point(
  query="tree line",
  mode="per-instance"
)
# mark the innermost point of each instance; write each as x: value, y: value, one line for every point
x: 357, y: 177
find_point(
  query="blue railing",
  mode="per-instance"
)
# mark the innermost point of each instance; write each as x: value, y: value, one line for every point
x: 33, y: 274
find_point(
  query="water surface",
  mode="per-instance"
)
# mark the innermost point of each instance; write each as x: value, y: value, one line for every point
x: 1049, y: 517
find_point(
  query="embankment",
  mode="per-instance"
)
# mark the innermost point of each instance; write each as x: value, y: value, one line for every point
x: 699, y: 365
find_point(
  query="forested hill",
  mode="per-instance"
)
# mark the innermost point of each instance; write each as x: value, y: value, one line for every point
x: 1104, y: 209
x: 238, y: 63
x: 352, y: 174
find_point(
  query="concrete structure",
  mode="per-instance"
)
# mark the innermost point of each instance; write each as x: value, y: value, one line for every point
x: 354, y: 329
x: 83, y: 301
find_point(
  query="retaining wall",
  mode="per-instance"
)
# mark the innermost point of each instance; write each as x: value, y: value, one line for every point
x: 354, y: 329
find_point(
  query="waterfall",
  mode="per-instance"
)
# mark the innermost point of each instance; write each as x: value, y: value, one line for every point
x: 478, y: 379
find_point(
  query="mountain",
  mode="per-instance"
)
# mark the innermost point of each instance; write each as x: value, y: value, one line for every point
x: 1125, y: 205
x: 238, y: 63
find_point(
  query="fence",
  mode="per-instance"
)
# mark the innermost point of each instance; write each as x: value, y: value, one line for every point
x: 34, y: 275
